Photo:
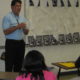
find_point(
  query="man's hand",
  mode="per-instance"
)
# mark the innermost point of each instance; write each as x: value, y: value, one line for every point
x: 21, y: 26
x: 12, y: 29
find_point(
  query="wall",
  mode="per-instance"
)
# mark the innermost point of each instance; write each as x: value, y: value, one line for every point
x: 59, y: 53
x: 47, y: 20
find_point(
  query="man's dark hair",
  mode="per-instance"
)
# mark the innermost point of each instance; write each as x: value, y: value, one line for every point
x: 15, y: 1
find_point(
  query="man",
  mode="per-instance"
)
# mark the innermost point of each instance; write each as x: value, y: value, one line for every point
x: 14, y: 28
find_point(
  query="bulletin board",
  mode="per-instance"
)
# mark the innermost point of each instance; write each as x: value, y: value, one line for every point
x: 53, y: 17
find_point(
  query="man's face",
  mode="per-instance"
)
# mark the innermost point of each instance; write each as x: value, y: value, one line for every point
x: 16, y: 8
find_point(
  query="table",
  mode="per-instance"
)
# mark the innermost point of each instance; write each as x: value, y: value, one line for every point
x: 64, y: 65
x: 8, y: 75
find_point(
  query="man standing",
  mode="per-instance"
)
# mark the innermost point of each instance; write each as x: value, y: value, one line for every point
x: 14, y: 28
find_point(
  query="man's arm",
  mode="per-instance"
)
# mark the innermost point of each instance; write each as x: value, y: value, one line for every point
x: 12, y: 29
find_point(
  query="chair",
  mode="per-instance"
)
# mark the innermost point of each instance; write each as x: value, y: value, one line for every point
x: 77, y: 64
x: 2, y: 57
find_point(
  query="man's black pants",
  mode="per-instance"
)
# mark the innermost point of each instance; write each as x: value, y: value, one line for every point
x: 15, y: 50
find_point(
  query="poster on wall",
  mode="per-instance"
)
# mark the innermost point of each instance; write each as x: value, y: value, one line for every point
x: 53, y: 17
